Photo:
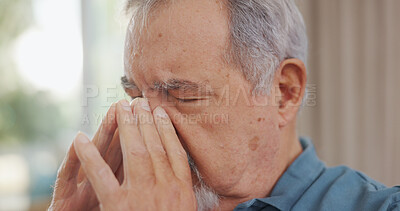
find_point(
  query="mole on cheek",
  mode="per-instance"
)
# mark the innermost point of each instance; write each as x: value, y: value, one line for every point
x: 253, y: 143
x: 160, y: 35
x: 260, y: 119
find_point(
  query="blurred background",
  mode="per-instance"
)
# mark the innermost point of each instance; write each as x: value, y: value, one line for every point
x: 58, y: 61
x: 61, y: 62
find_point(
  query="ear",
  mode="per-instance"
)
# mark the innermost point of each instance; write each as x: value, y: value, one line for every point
x: 292, y: 78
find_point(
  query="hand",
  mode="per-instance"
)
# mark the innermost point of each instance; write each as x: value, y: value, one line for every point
x: 156, y: 170
x: 72, y: 190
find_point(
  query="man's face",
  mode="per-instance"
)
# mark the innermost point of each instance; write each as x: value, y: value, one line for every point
x: 179, y: 65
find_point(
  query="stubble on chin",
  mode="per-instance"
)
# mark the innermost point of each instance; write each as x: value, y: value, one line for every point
x: 207, y: 198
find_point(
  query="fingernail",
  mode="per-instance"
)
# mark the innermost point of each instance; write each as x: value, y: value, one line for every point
x: 133, y: 102
x: 144, y: 103
x: 82, y: 138
x: 160, y: 112
x: 125, y: 105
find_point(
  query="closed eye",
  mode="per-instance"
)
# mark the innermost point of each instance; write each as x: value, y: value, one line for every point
x: 183, y: 100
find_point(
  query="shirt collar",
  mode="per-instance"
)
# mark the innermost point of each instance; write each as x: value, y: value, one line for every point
x: 294, y: 182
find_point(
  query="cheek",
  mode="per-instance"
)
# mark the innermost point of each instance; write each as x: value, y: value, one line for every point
x: 199, y: 130
x: 215, y: 147
x: 222, y: 142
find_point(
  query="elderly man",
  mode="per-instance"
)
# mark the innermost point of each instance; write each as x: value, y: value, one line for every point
x: 216, y: 87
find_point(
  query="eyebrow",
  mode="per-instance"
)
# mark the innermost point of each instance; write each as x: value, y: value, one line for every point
x: 126, y: 84
x: 171, y: 84
x: 178, y: 84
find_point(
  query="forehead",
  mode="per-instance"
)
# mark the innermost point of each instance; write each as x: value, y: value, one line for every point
x: 185, y: 39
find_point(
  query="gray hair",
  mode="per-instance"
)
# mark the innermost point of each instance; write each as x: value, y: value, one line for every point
x: 263, y: 33
x: 207, y: 198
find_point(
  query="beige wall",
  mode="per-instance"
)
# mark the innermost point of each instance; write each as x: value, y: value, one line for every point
x: 354, y: 67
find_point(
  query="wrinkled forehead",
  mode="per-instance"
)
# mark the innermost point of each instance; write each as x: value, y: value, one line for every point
x: 189, y: 35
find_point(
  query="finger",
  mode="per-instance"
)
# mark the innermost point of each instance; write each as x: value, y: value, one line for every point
x: 66, y: 175
x: 136, y: 159
x: 161, y: 165
x: 98, y: 172
x: 106, y: 131
x: 113, y: 156
x: 104, y: 134
x: 120, y: 173
x: 176, y: 154
x: 70, y: 165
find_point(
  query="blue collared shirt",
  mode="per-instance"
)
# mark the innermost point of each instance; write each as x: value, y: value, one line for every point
x: 309, y: 185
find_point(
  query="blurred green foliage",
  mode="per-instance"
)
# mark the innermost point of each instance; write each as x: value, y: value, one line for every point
x: 15, y: 17
x: 25, y: 114
x: 28, y: 117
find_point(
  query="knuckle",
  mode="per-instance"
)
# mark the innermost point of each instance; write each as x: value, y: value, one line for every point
x: 139, y: 152
x: 110, y: 118
x: 181, y: 154
x: 144, y: 118
x: 108, y: 124
x: 158, y: 151
x: 87, y: 159
x: 166, y: 128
